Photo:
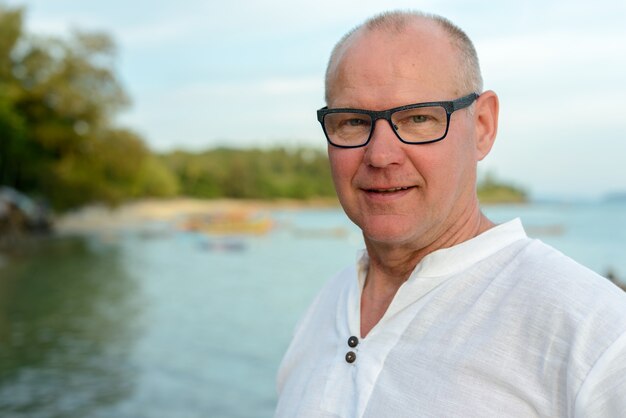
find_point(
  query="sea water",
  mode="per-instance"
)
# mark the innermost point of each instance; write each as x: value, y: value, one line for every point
x: 156, y: 322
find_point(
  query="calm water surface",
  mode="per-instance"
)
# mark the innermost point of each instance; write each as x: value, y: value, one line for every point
x: 159, y: 323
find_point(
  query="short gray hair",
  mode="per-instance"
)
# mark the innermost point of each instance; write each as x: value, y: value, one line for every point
x: 470, y: 77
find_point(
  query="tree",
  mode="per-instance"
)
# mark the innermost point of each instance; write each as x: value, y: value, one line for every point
x: 12, y: 127
x: 57, y: 101
x: 252, y: 173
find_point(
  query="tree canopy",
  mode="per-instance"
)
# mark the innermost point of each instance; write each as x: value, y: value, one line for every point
x: 300, y: 173
x: 58, y: 98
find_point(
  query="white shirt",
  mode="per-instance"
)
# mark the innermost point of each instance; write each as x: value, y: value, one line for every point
x: 497, y: 326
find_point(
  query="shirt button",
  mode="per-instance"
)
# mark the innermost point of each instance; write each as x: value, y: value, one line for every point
x: 350, y: 357
x: 353, y: 341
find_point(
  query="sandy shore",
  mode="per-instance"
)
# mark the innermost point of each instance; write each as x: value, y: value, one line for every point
x: 134, y: 214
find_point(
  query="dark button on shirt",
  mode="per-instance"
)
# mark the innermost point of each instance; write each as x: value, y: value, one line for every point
x: 350, y: 356
x: 353, y: 341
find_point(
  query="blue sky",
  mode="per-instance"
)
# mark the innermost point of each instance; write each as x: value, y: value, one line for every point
x: 241, y: 73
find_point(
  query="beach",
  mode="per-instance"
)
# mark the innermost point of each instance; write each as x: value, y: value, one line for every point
x: 99, y: 218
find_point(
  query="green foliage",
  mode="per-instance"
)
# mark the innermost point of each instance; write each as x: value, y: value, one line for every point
x: 116, y: 166
x: 57, y: 100
x: 252, y: 173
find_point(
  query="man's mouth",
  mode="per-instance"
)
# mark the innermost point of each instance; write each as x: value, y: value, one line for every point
x: 389, y: 190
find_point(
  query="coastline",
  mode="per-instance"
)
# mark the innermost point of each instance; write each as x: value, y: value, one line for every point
x: 135, y: 213
x: 100, y: 218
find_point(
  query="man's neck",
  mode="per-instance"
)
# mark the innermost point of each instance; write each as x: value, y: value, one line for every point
x: 391, y: 265
x: 394, y: 263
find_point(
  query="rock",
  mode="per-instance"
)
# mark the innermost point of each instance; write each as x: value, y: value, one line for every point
x: 21, y: 216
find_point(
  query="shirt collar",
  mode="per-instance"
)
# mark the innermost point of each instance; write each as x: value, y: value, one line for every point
x: 454, y: 259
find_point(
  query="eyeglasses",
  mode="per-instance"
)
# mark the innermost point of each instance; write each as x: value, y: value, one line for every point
x: 419, y: 123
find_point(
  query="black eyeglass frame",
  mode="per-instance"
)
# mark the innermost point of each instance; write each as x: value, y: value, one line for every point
x: 449, y: 106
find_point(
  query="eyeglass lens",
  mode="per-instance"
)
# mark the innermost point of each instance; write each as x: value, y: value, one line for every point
x: 420, y: 124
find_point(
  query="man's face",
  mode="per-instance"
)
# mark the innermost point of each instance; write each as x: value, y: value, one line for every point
x: 402, y: 194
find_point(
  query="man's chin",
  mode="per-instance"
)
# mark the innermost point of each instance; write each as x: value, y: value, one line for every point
x: 396, y: 234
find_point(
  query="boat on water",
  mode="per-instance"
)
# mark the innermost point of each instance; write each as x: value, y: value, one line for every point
x: 229, y: 223
x: 223, y: 245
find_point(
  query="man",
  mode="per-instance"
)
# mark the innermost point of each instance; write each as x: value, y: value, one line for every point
x: 445, y: 313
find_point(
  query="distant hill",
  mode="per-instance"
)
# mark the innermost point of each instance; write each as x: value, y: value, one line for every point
x: 491, y: 190
x: 275, y: 173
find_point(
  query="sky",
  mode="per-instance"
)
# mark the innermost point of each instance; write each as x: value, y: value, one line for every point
x: 250, y: 73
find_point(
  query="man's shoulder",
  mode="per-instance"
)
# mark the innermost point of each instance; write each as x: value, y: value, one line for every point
x: 339, y: 282
x: 334, y: 290
x: 556, y: 283
x: 549, y: 268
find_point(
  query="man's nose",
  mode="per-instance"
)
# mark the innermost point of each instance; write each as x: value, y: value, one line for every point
x: 384, y: 147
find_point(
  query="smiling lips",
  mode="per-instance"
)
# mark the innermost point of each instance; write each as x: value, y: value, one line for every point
x: 389, y: 190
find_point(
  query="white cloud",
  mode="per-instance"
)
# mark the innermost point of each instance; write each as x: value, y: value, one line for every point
x: 246, y: 112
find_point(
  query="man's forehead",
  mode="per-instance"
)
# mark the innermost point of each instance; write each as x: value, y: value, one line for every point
x: 417, y: 32
x: 418, y: 53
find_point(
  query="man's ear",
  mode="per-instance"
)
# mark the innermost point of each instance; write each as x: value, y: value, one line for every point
x: 486, y: 122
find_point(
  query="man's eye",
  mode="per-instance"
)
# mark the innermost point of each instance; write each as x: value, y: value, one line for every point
x: 418, y: 119
x: 355, y: 122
